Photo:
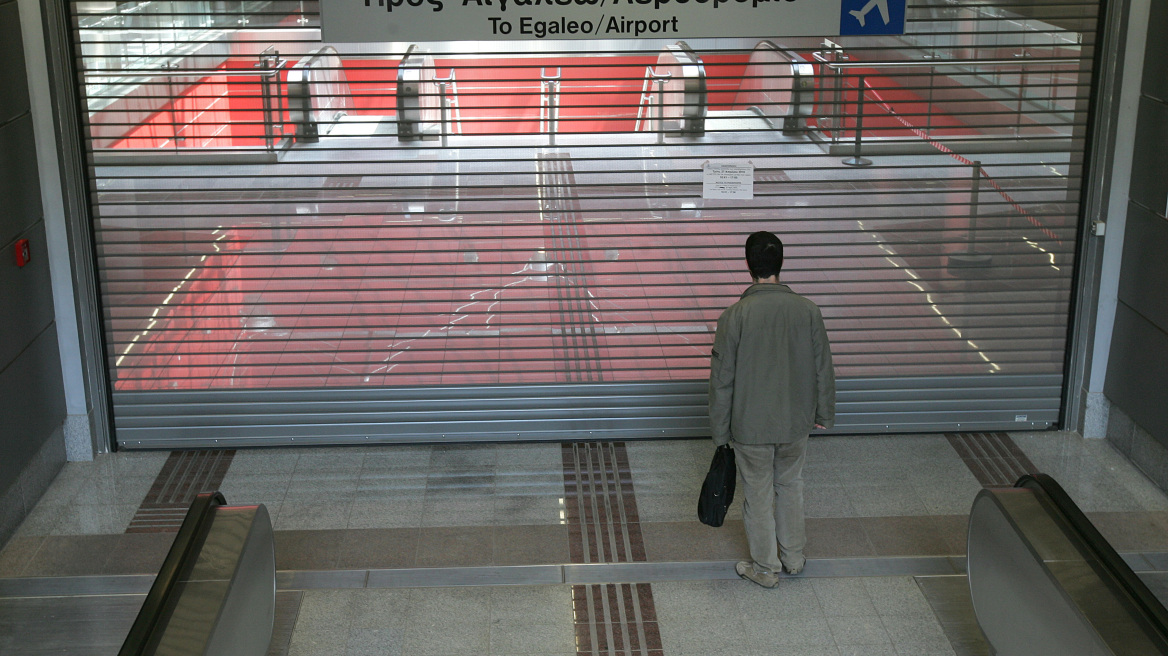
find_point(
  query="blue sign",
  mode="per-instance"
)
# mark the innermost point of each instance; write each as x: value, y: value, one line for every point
x: 862, y: 17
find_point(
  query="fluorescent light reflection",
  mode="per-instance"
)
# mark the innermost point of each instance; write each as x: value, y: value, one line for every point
x: 166, y: 301
x: 893, y: 259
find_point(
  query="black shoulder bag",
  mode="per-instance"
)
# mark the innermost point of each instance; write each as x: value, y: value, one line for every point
x: 718, y: 488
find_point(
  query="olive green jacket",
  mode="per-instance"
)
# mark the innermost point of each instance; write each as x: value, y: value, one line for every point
x: 771, y: 376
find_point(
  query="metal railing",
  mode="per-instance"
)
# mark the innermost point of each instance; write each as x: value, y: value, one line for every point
x: 649, y: 113
x: 834, y: 81
x: 272, y: 93
x: 268, y: 69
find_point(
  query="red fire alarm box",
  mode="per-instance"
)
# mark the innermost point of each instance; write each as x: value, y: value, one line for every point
x: 22, y: 253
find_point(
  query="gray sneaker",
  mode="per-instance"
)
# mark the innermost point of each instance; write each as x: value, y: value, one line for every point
x: 747, y: 571
x: 794, y: 570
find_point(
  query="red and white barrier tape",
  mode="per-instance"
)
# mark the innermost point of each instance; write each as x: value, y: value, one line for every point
x: 964, y: 160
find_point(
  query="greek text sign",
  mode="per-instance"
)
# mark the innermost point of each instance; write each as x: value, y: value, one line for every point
x: 728, y: 181
x: 361, y: 21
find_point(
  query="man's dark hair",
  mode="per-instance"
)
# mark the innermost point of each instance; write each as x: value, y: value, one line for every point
x: 764, y: 254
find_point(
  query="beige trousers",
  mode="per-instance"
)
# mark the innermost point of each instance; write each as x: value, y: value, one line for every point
x: 772, y: 502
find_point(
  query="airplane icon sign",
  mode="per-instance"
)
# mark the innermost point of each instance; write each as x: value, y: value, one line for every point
x: 856, y: 17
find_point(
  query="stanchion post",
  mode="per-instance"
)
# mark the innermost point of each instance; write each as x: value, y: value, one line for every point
x: 964, y: 263
x: 929, y: 105
x: 974, y: 188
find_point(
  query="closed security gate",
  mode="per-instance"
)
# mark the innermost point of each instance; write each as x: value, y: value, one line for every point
x: 303, y: 242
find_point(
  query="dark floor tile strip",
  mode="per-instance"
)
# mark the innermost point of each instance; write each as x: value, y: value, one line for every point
x: 1018, y: 464
x: 604, y: 527
x: 601, y: 529
x: 183, y: 475
x: 573, y: 500
x: 579, y: 346
x: 993, y: 458
x: 609, y: 521
x: 630, y: 516
x: 997, y: 455
x: 1022, y: 464
x: 163, y: 478
x: 966, y: 456
x: 999, y: 471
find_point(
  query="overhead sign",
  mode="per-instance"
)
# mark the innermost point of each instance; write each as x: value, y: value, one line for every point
x: 859, y: 17
x: 416, y: 21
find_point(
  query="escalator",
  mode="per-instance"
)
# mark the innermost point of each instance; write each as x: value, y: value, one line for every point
x: 1043, y: 580
x: 215, y: 594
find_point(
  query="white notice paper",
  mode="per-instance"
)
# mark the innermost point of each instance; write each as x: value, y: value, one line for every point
x: 728, y: 181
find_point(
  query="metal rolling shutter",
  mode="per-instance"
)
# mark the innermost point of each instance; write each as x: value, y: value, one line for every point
x: 548, y: 268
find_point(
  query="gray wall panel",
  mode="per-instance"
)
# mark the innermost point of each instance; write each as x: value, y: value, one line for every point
x: 1156, y: 54
x: 1139, y: 346
x: 1149, y: 185
x: 14, y: 99
x: 1135, y: 371
x: 20, y: 189
x: 25, y: 293
x: 32, y: 403
x: 1145, y: 269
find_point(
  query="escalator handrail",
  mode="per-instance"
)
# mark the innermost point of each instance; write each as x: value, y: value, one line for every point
x: 1153, y: 615
x: 178, y: 561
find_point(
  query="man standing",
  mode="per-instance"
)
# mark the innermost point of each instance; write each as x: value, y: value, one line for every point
x: 771, y: 382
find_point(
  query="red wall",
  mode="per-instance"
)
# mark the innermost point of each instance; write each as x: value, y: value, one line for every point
x: 199, y: 118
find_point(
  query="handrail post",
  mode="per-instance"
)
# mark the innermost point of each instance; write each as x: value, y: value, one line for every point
x: 442, y: 112
x: 839, y: 105
x: 1021, y: 96
x: 553, y: 110
x: 172, y: 101
x: 660, y: 78
x: 270, y: 64
x: 266, y: 92
x: 551, y: 84
x: 929, y: 105
x: 444, y: 107
x: 660, y: 111
x: 855, y: 159
x: 828, y: 59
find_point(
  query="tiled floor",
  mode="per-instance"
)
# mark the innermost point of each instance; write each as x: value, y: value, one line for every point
x: 348, y: 512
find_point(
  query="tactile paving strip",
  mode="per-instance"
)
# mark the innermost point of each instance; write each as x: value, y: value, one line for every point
x: 993, y: 458
x: 604, y: 527
x: 184, y: 475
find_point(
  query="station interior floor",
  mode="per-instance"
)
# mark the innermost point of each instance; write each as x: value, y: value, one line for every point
x: 620, y: 256
x: 547, y: 548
